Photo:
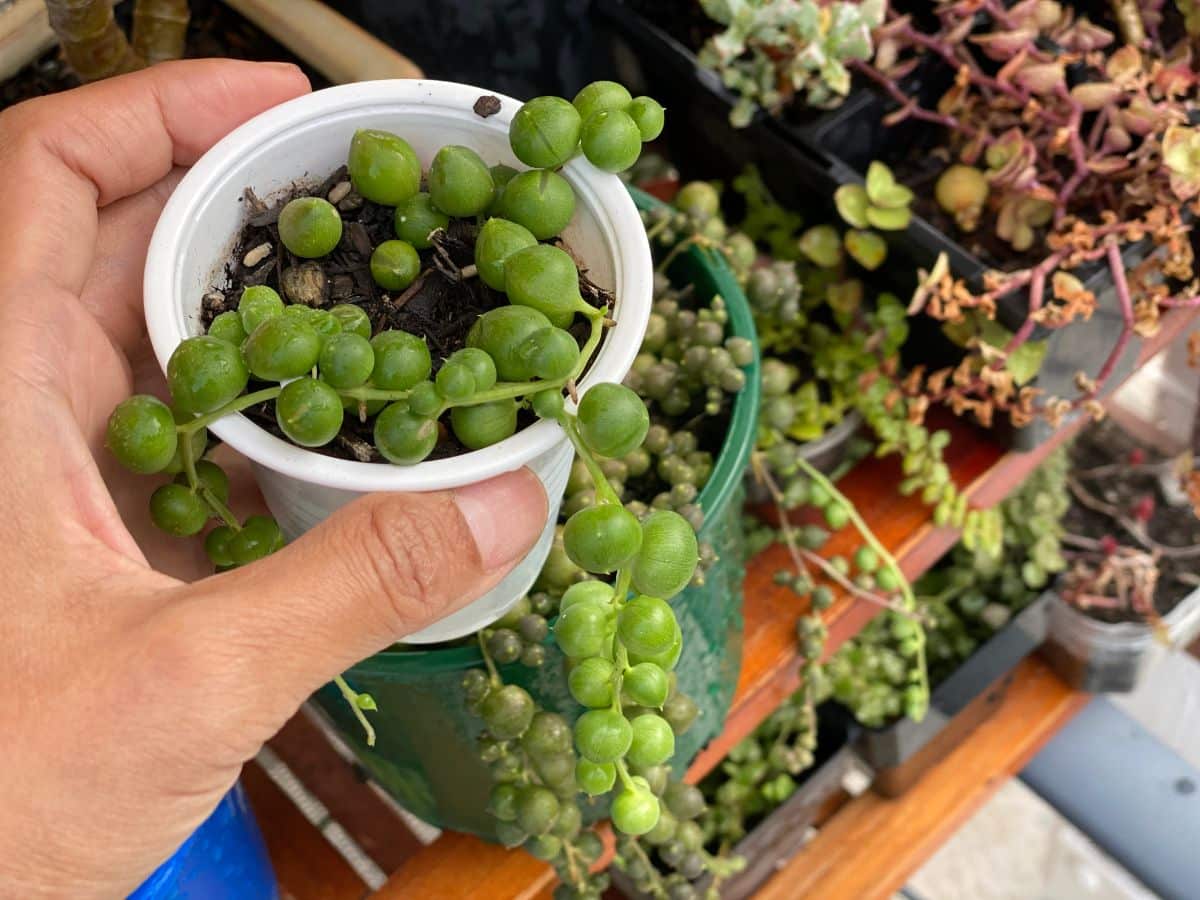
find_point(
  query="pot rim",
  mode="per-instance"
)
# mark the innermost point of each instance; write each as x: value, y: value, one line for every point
x: 620, y: 224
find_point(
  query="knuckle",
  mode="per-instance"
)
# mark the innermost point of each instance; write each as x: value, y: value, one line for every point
x: 410, y: 549
x: 24, y: 125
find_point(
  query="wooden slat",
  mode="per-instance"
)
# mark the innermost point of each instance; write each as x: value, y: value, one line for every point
x: 871, y: 847
x: 339, y: 49
x: 351, y: 802
x: 460, y: 867
x: 307, y: 866
x: 24, y: 35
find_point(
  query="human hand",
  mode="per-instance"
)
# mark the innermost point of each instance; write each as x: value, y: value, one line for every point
x: 132, y: 698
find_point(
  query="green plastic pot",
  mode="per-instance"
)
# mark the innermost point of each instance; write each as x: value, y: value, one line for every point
x: 425, y: 752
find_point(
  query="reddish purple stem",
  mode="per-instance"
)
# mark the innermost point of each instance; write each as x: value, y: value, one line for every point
x: 1117, y: 266
x: 913, y: 109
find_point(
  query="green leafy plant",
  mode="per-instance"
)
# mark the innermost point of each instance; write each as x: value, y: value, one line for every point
x: 775, y: 52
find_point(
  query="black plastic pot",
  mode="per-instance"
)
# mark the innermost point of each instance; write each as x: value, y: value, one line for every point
x: 779, y: 836
x: 902, y: 752
x: 517, y: 47
x: 804, y: 162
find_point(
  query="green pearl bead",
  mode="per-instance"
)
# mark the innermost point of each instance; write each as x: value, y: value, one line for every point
x: 395, y: 265
x: 611, y: 140
x: 544, y: 278
x: 545, y: 132
x: 498, y: 239
x: 310, y: 227
x: 484, y: 424
x: 417, y: 218
x: 541, y: 200
x: 460, y: 183
x: 383, y: 167
x: 601, y: 95
x: 648, y: 115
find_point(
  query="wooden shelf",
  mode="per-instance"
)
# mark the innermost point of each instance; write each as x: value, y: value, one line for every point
x: 871, y: 846
x: 457, y: 866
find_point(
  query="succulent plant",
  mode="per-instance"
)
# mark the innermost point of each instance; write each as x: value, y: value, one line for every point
x: 1068, y: 137
x: 773, y: 51
x: 1181, y: 155
x: 880, y: 202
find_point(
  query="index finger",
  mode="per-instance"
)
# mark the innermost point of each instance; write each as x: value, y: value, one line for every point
x: 68, y: 154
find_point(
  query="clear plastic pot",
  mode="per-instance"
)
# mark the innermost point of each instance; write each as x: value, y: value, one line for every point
x: 1113, y: 657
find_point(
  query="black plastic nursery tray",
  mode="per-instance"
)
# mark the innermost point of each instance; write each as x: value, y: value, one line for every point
x: 804, y: 162
x: 699, y: 137
x: 779, y: 836
x: 902, y: 752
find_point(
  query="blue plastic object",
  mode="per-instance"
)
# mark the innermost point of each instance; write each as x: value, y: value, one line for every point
x: 224, y: 858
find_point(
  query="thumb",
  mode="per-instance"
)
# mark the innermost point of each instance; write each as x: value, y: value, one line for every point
x: 380, y: 568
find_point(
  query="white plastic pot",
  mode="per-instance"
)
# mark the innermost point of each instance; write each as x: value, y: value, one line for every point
x: 308, y: 138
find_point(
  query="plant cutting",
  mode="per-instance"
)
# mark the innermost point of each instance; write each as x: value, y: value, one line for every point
x: 1064, y: 151
x: 965, y: 599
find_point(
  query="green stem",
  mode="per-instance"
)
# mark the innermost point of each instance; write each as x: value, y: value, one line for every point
x: 621, y: 589
x: 236, y: 405
x: 588, y: 348
x: 861, y: 526
x: 657, y: 887
x: 370, y: 393
x: 352, y: 698
x: 188, y: 458
x: 507, y: 389
x: 219, y: 509
x: 570, y: 853
x: 906, y: 592
x: 487, y: 660
x: 604, y: 491
x: 620, y: 664
x: 694, y: 240
x: 623, y: 775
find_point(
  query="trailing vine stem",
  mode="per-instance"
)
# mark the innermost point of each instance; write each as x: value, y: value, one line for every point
x: 885, y: 555
x: 493, y: 674
x: 800, y: 555
x: 355, y: 699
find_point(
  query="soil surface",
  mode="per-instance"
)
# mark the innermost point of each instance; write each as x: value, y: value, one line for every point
x: 440, y: 306
x: 1124, y: 484
x: 214, y: 30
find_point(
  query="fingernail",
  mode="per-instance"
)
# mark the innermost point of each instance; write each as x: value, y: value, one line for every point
x: 504, y: 514
x: 283, y: 66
